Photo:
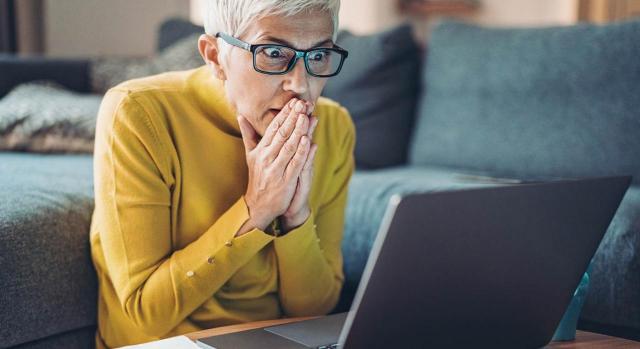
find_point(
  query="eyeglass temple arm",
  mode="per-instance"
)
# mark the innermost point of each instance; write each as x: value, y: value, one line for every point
x: 233, y: 41
x: 344, y: 52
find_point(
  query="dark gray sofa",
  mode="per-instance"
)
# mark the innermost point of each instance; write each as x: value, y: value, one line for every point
x: 556, y: 102
x: 48, y: 282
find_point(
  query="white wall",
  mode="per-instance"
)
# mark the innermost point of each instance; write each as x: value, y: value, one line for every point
x: 83, y: 28
x: 365, y: 16
x: 128, y: 27
x: 197, y: 11
x: 360, y: 16
x: 526, y: 12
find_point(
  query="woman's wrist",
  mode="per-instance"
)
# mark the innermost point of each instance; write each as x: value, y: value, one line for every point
x: 255, y: 220
x: 293, y: 221
x: 251, y: 224
x: 259, y: 220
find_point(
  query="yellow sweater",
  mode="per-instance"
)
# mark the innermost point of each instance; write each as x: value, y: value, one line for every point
x: 169, y: 175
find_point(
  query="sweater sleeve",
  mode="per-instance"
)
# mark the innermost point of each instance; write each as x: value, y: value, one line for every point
x: 157, y: 286
x: 310, y: 256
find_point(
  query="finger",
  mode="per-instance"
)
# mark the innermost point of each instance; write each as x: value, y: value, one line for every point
x: 249, y: 135
x: 313, y: 122
x: 276, y: 123
x: 295, y: 204
x: 299, y: 158
x: 305, y: 179
x: 290, y: 147
x: 312, y: 155
x: 285, y: 131
x: 310, y: 107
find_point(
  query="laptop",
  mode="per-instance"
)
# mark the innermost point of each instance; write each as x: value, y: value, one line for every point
x: 486, y: 267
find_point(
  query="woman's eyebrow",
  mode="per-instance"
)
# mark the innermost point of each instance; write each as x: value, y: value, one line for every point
x: 285, y: 42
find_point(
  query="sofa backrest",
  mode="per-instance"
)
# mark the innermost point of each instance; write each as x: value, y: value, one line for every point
x: 559, y: 101
x: 174, y: 29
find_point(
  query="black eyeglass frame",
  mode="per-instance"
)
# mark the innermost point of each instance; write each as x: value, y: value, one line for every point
x: 304, y: 54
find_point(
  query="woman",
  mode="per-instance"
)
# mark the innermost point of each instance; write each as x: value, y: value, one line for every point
x: 220, y: 191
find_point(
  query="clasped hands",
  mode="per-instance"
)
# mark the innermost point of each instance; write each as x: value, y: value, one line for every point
x: 280, y: 167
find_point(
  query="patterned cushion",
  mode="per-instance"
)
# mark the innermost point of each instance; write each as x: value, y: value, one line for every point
x: 45, y: 117
x: 108, y: 72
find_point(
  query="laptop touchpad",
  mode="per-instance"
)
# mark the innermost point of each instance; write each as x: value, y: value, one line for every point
x: 312, y: 333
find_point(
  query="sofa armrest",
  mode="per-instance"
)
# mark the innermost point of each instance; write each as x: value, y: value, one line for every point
x: 71, y: 73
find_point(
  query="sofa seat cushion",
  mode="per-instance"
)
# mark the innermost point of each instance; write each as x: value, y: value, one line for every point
x: 84, y: 338
x: 559, y: 101
x: 48, y: 282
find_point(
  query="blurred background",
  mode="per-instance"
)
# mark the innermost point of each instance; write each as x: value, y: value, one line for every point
x: 436, y: 107
x: 129, y: 28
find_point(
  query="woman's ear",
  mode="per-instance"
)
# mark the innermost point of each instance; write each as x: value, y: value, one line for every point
x: 210, y: 52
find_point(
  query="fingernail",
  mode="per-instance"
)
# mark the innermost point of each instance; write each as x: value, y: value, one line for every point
x: 299, y: 106
x: 304, y: 140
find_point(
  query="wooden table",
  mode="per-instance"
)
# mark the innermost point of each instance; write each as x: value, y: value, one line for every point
x: 589, y: 340
x: 584, y: 340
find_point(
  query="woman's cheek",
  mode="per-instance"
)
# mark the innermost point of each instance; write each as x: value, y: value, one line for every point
x: 316, y: 88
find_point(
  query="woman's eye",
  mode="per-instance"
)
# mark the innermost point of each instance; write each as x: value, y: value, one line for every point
x: 273, y: 53
x: 319, y: 56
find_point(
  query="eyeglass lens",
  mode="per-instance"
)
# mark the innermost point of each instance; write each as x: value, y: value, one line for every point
x: 276, y: 59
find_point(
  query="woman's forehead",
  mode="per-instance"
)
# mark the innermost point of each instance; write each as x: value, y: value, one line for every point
x: 303, y: 30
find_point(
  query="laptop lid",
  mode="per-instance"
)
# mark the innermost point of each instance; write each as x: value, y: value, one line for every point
x: 492, y: 266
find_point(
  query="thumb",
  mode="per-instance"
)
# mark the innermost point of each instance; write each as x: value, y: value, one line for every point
x: 249, y: 135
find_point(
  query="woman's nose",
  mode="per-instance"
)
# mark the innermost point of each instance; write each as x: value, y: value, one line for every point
x: 297, y: 80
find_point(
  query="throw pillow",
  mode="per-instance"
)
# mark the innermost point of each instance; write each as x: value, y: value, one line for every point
x: 379, y: 84
x: 45, y: 117
x: 181, y: 55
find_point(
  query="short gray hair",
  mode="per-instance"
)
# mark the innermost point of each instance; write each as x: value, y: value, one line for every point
x: 234, y: 16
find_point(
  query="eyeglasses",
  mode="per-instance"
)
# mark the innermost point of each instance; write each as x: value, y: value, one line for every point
x: 273, y: 59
